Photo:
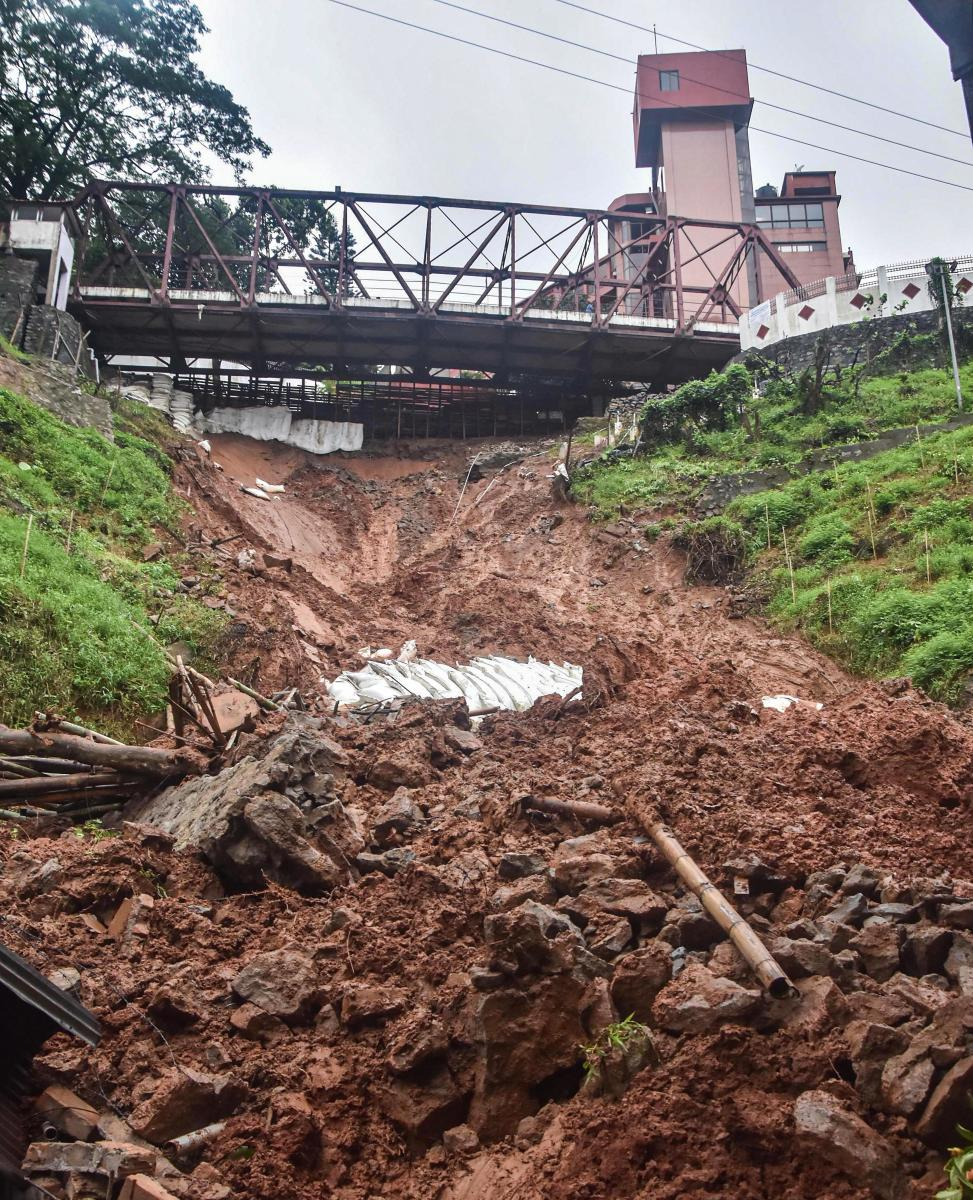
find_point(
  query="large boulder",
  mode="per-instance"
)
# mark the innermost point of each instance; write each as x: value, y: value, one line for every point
x: 185, y: 1100
x: 277, y: 817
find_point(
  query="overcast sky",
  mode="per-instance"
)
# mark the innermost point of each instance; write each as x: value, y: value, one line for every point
x: 350, y: 99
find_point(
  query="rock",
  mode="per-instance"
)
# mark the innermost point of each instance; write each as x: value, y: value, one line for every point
x: 819, y: 1008
x: 369, y: 1004
x: 425, y: 1039
x: 398, y: 816
x: 389, y: 862
x: 696, y: 929
x: 250, y: 831
x: 277, y: 560
x: 234, y: 709
x: 906, y: 913
x: 423, y: 1111
x: 639, y: 977
x: 851, y: 911
x: 573, y: 874
x: 848, y: 1144
x: 925, y: 949
x: 461, y: 1139
x: 959, y: 963
x: 948, y: 1106
x: 68, y: 979
x: 531, y: 938
x: 518, y: 865
x: 487, y: 981
x: 393, y: 771
x: 531, y: 887
x: 860, y: 879
x: 800, y: 957
x: 185, y: 1100
x: 152, y: 551
x: 461, y: 740
x: 870, y: 1045
x: 957, y: 916
x: 284, y: 983
x: 878, y: 946
x: 698, y: 1001
x: 254, y: 1023
x: 832, y: 878
x: 67, y: 1112
x: 523, y: 1037
x: 908, y: 1077
x: 608, y: 936
x: 172, y: 1009
x: 629, y: 898
x: 923, y: 1000
x: 614, y: 1070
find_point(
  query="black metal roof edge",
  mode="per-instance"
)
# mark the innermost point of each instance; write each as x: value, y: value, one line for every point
x: 59, y: 1006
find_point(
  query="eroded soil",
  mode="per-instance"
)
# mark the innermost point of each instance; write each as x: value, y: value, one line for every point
x: 384, y: 550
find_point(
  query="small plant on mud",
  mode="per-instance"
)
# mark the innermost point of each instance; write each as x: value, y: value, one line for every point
x: 93, y: 830
x: 959, y: 1169
x: 618, y: 1038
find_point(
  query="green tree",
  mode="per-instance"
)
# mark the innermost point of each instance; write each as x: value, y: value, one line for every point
x: 110, y: 88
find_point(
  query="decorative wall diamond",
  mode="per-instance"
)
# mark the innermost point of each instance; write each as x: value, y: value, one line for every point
x: 763, y: 331
x: 858, y: 300
x: 805, y: 312
x: 911, y: 291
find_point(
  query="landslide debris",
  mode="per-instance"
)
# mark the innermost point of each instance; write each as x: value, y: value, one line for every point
x: 354, y: 963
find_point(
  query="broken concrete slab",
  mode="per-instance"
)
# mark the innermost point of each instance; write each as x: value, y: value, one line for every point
x: 185, y: 1100
x: 67, y: 1112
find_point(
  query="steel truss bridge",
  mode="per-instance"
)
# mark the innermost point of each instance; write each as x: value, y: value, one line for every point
x: 279, y: 283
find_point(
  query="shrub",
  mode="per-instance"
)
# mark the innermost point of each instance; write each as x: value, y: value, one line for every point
x: 716, y: 549
x: 828, y: 540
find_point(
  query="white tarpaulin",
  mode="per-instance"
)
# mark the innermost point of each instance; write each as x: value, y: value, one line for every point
x: 279, y: 425
x: 484, y: 683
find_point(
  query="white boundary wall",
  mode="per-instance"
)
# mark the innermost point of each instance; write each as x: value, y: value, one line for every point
x: 847, y: 299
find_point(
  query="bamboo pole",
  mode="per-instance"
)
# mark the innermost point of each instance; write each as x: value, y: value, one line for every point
x: 830, y: 622
x: 18, y: 768
x: 751, y: 948
x: 55, y: 783
x: 23, y: 557
x: 272, y: 705
x: 925, y: 534
x: 81, y: 731
x: 790, y: 565
x: 767, y: 521
x: 922, y: 456
x: 572, y: 808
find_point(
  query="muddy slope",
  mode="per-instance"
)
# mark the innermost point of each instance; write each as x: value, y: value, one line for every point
x: 427, y: 997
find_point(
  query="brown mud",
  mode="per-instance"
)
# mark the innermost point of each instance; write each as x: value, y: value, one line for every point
x: 396, y: 1043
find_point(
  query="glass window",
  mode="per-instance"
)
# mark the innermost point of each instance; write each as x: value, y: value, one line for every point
x: 800, y: 247
x: 668, y: 81
x: 791, y: 216
x: 815, y: 212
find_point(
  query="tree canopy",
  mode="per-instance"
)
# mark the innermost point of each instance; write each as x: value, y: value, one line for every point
x: 110, y: 88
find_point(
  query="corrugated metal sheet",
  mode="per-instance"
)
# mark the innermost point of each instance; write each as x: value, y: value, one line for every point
x: 20, y: 978
x: 13, y: 1086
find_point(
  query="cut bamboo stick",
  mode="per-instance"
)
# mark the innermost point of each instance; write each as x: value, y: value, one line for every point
x: 142, y: 760
x: 81, y: 731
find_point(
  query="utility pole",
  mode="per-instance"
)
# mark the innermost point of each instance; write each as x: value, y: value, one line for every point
x: 940, y: 268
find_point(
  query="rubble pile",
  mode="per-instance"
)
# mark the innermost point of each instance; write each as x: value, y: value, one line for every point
x: 358, y: 937
x: 392, y: 954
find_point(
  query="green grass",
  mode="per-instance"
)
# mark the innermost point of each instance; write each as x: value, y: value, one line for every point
x: 68, y: 635
x: 893, y: 611
x: 9, y: 350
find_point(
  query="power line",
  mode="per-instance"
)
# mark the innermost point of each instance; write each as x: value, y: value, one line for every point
x: 533, y: 62
x: 767, y: 70
x: 631, y: 62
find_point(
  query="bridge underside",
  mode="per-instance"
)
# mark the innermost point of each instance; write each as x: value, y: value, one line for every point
x: 563, y: 347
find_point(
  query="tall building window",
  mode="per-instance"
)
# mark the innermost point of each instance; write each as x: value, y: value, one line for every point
x: 801, y: 247
x: 668, y: 81
x: 791, y: 216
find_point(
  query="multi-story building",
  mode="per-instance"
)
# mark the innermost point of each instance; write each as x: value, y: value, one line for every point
x: 691, y: 130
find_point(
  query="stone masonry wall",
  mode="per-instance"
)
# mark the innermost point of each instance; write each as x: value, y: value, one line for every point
x: 796, y: 354
x: 53, y: 335
x: 18, y: 289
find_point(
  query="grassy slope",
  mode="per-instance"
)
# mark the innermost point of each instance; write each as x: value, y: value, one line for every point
x: 886, y: 617
x: 67, y: 627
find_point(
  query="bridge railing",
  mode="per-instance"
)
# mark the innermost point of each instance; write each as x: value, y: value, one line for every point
x: 172, y: 245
